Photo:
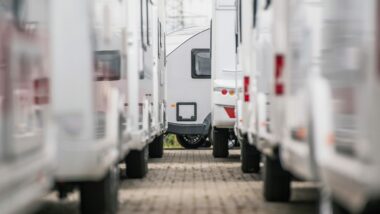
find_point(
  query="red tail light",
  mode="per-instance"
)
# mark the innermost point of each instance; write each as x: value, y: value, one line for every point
x: 279, y: 72
x: 230, y: 112
x: 246, y: 89
x: 224, y: 91
x: 41, y: 91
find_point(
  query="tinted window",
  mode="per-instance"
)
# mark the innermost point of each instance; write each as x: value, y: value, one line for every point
x: 200, y: 63
x: 107, y: 65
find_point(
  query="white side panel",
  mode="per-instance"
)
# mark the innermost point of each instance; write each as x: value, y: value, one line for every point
x: 73, y: 66
x: 182, y: 87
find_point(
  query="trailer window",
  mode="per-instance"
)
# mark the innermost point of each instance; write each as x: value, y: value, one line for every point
x: 200, y: 64
x: 107, y: 65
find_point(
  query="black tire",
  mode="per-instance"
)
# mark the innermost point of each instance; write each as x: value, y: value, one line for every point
x: 137, y: 163
x: 250, y: 157
x: 156, y: 148
x: 100, y: 197
x: 206, y: 144
x: 339, y: 209
x: 190, y: 141
x: 220, y: 143
x: 276, y: 181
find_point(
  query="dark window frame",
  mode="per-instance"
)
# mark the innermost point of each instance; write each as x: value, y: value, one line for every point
x: 194, y: 52
x: 119, y: 67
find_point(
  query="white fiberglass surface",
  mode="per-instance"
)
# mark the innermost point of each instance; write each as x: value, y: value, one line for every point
x: 182, y: 87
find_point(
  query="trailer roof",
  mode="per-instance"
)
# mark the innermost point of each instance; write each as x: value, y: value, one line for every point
x: 177, y: 38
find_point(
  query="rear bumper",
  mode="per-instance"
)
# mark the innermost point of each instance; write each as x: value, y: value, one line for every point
x: 201, y: 129
x: 221, y: 118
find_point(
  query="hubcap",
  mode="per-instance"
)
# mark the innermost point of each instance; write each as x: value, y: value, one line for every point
x: 192, y: 139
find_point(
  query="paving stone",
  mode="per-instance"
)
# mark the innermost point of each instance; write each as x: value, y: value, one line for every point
x: 192, y: 181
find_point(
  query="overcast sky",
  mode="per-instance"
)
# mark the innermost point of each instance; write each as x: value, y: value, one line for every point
x: 195, y: 13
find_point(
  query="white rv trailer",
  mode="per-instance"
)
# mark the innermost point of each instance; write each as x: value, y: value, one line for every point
x: 250, y: 156
x: 146, y: 122
x: 26, y: 154
x: 86, y: 112
x: 302, y: 62
x: 277, y: 99
x: 265, y: 92
x: 269, y: 47
x: 188, y: 80
x: 110, y: 53
x: 136, y: 133
x: 263, y: 52
x: 347, y: 102
x: 223, y: 71
x: 159, y: 82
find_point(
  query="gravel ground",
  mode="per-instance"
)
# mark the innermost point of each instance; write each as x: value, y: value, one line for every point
x: 192, y: 181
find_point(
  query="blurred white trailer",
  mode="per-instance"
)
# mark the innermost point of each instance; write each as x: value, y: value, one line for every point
x: 266, y: 93
x: 188, y: 82
x: 26, y: 154
x: 346, y: 91
x: 86, y: 111
x: 302, y: 62
x: 159, y: 122
x: 245, y: 25
x: 269, y: 49
x: 146, y: 121
x: 283, y: 31
x: 223, y: 72
x: 146, y: 105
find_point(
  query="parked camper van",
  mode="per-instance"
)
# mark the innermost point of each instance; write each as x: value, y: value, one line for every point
x: 347, y: 134
x: 147, y: 120
x: 266, y: 93
x: 223, y: 72
x: 188, y: 78
x: 250, y: 156
x: 269, y: 39
x: 159, y: 122
x: 26, y: 154
x: 302, y: 62
x: 85, y: 103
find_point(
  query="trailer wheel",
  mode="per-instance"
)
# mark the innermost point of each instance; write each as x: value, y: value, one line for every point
x: 156, y: 148
x: 137, y: 163
x: 190, y: 141
x: 276, y: 181
x: 220, y: 142
x: 250, y: 157
x: 207, y: 143
x: 101, y: 197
